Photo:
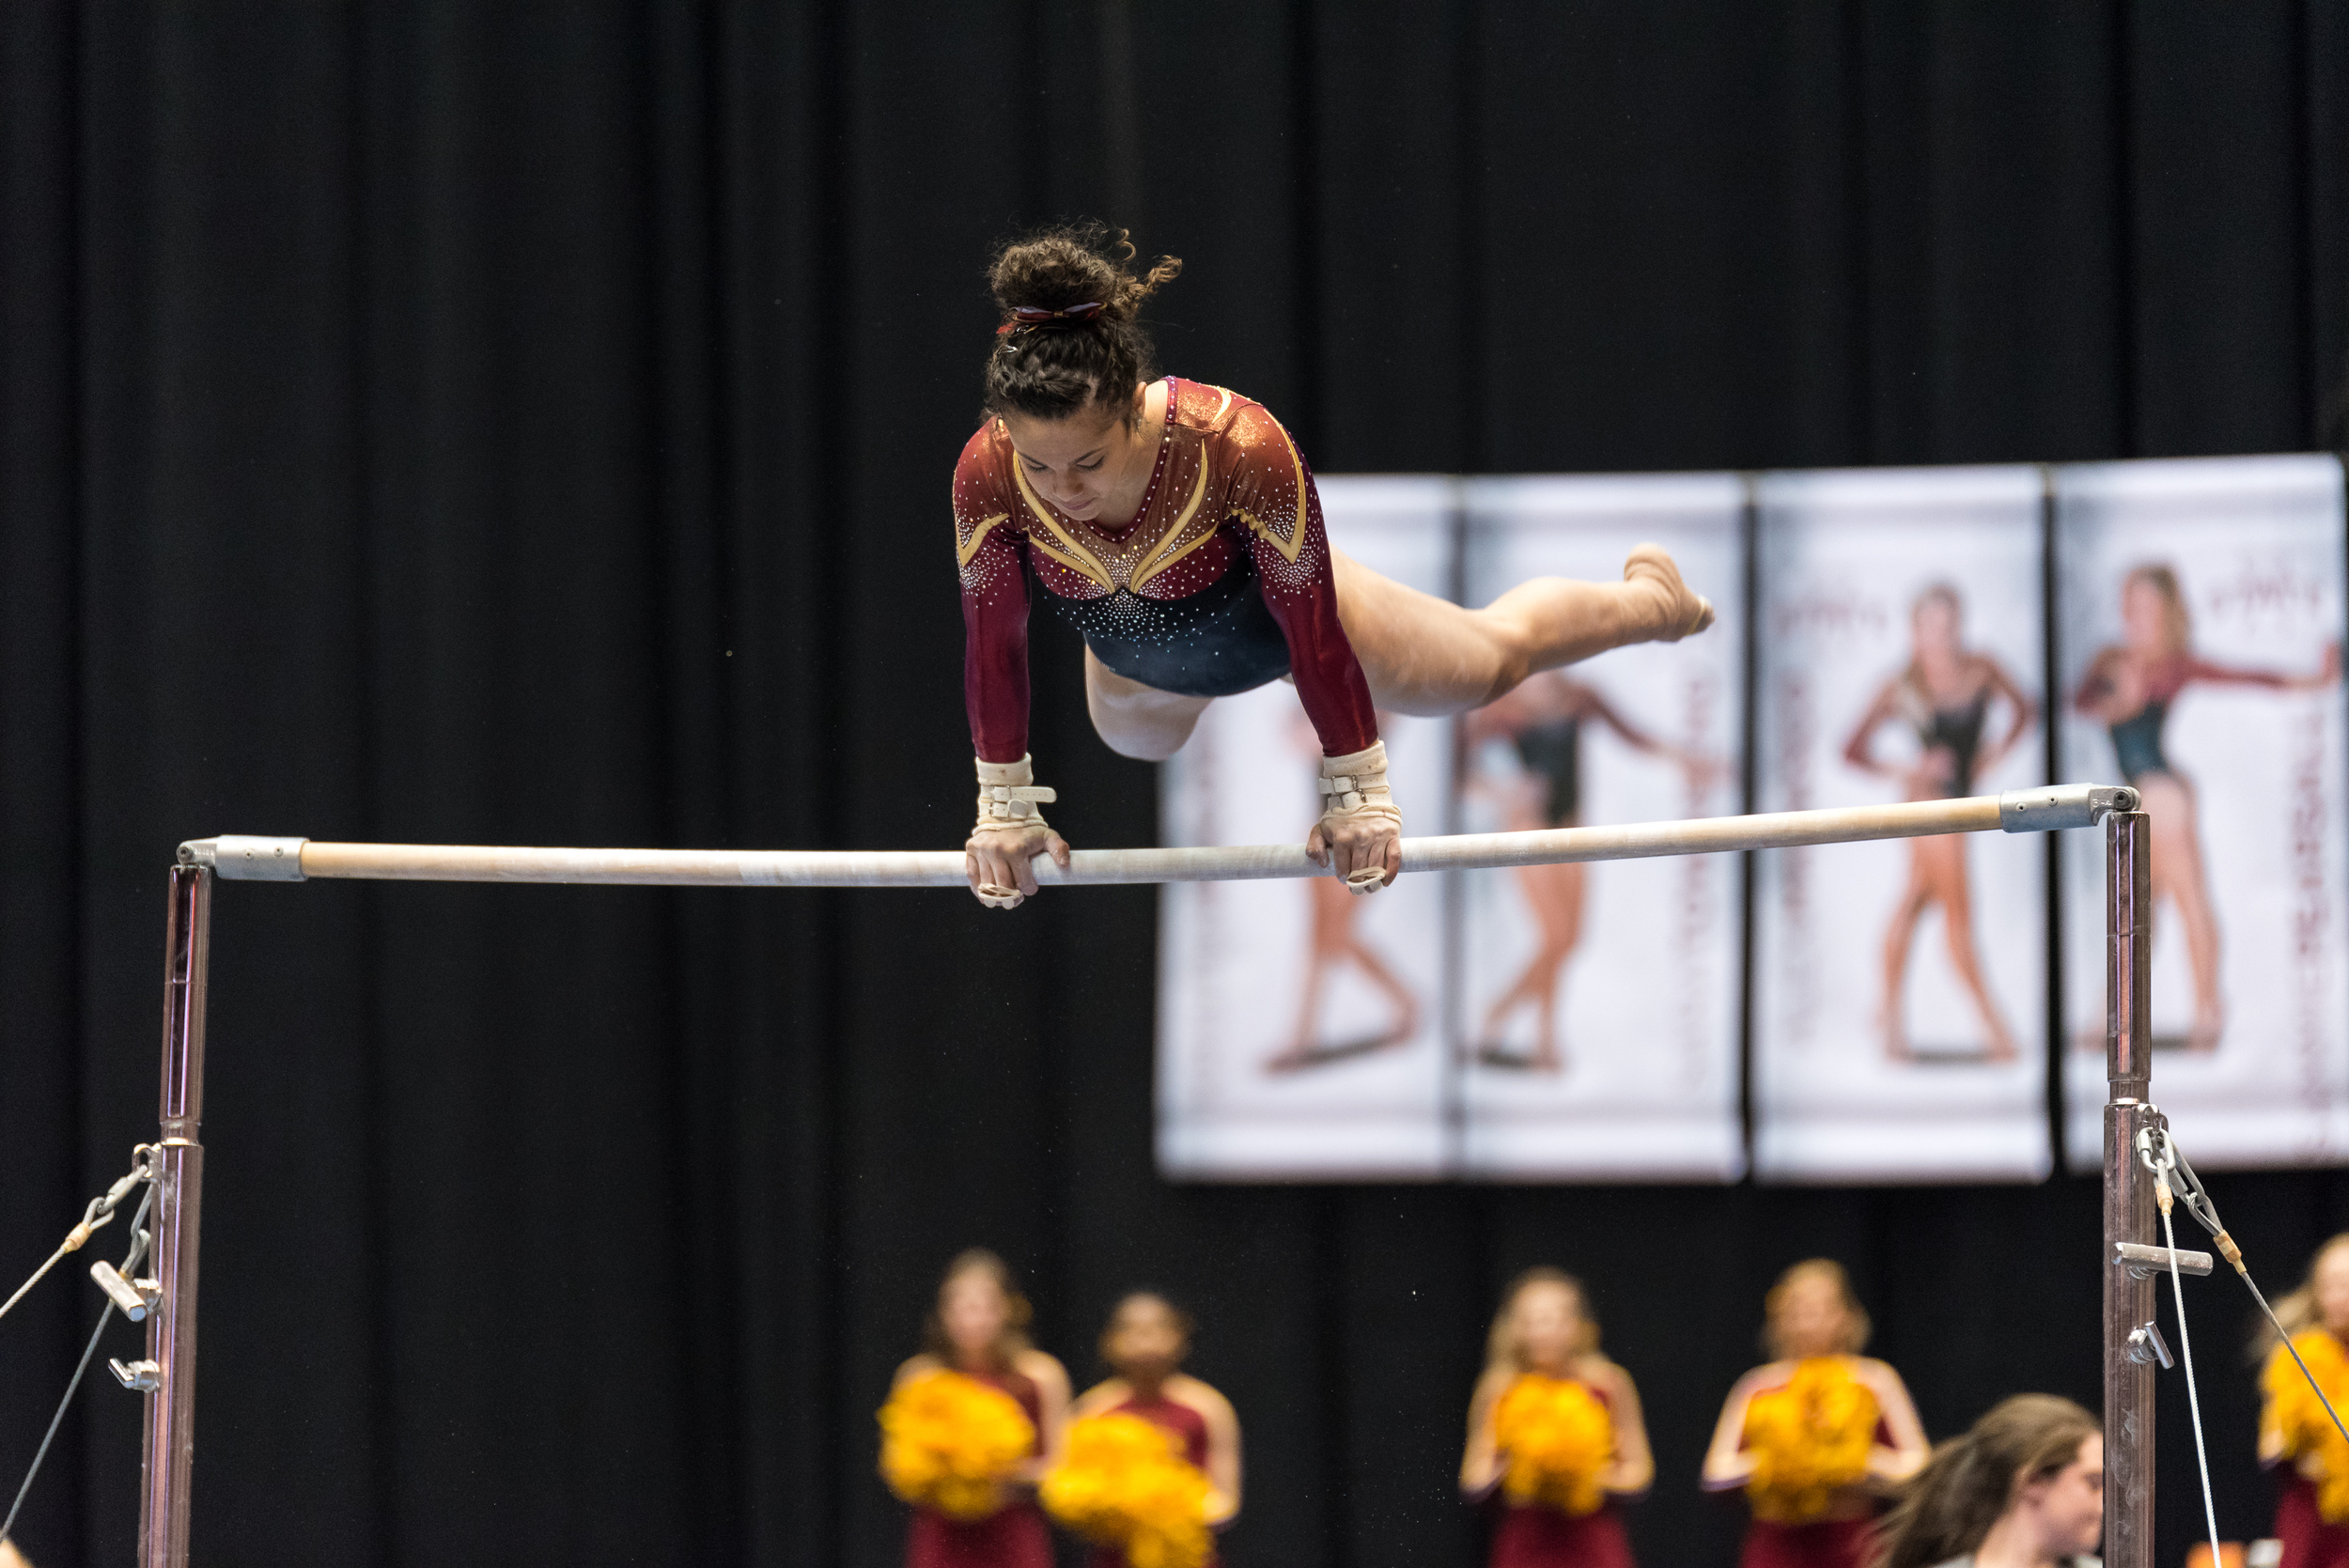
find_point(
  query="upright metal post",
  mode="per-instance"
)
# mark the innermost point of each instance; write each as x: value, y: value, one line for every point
x: 2128, y: 1189
x: 170, y: 1449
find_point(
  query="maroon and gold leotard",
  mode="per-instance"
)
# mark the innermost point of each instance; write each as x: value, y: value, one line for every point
x: 1220, y: 584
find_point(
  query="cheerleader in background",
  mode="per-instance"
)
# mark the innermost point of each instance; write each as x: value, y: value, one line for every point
x: 1152, y: 1467
x: 1811, y: 1435
x: 1554, y: 1427
x: 971, y: 1426
x: 2024, y: 1489
x: 2313, y: 1507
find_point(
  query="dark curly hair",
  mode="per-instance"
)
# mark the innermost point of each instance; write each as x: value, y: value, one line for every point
x: 1052, y: 370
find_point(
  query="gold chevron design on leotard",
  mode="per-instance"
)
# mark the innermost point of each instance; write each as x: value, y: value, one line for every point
x: 1166, y: 556
x: 963, y: 553
x: 1290, y: 547
x: 1068, y: 551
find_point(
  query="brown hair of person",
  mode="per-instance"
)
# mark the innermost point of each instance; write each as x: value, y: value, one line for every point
x: 1501, y: 1344
x: 1018, y: 1314
x: 1052, y: 370
x: 1856, y: 1316
x: 1948, y: 1507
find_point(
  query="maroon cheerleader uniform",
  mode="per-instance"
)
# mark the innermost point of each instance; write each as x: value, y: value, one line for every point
x: 1190, y: 1427
x: 1013, y: 1536
x: 2309, y: 1542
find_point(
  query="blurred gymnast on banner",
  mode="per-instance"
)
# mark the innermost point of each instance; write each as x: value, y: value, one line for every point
x: 1945, y: 697
x: 1177, y: 527
x: 2130, y: 687
x: 1818, y: 1434
x: 1555, y: 1430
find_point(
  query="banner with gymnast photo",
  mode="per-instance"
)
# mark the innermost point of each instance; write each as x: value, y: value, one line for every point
x: 1598, y: 1004
x: 1301, y: 1026
x: 2199, y: 653
x: 1900, y: 999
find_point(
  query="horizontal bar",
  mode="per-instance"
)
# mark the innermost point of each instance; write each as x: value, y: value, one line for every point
x: 242, y: 858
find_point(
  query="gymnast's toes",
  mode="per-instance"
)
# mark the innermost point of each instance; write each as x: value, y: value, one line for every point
x: 1683, y: 614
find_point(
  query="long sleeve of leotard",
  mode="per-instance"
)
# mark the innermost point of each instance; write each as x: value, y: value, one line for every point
x: 994, y: 608
x: 1272, y: 496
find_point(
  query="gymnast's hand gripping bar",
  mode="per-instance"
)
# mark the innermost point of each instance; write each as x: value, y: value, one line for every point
x: 242, y: 858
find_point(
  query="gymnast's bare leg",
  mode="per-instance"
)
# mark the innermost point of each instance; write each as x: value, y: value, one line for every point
x: 1423, y: 656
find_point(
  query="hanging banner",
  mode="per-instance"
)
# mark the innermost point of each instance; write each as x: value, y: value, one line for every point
x: 1299, y: 1026
x: 2199, y: 655
x: 1900, y: 1002
x: 1598, y: 1004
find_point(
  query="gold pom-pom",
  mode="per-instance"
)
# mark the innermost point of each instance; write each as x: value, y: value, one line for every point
x: 2306, y: 1429
x: 1123, y: 1482
x: 1559, y: 1440
x: 949, y: 1442
x: 1809, y: 1439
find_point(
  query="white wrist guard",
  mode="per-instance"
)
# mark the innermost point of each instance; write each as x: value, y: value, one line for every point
x: 1008, y: 798
x: 1356, y: 787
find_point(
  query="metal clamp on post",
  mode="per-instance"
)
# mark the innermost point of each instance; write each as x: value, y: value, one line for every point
x: 136, y: 1297
x: 2148, y: 1348
x: 246, y: 858
x: 140, y: 1377
x: 2058, y: 806
x: 2147, y: 1263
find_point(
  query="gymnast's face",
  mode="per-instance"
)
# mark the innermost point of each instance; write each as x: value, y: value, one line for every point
x: 1813, y: 1317
x: 1549, y: 1325
x: 1079, y: 463
x: 2069, y: 1504
x: 1935, y: 626
x: 2145, y: 617
x: 973, y: 1310
x: 2330, y: 1278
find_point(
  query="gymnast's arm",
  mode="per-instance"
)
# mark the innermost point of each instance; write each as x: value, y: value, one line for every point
x: 1273, y: 497
x: 1728, y: 1464
x: 1860, y: 750
x: 2328, y: 672
x: 2026, y: 712
x: 995, y: 682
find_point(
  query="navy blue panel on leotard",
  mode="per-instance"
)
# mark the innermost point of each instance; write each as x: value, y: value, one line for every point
x: 1957, y: 730
x: 1553, y: 751
x: 1216, y: 643
x: 2137, y: 741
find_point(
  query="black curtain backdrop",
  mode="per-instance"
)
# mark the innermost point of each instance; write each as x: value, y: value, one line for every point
x: 532, y: 424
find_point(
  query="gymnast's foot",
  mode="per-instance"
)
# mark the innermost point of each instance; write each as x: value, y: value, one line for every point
x: 1675, y: 611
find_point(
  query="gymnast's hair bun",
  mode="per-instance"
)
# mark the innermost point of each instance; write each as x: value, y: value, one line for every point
x: 1070, y: 336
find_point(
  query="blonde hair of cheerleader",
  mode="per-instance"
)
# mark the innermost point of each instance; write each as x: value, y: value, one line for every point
x: 1854, y: 1315
x: 1501, y: 1344
x: 2296, y: 1311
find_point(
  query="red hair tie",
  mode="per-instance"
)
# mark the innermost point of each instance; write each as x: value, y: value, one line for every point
x: 1027, y: 317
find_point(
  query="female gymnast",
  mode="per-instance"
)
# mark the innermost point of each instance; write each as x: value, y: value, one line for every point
x: 1144, y: 1345
x: 978, y: 1329
x: 1556, y: 1427
x: 2130, y: 687
x: 1814, y: 1435
x: 2024, y: 1489
x: 1542, y: 719
x: 1944, y: 695
x: 1177, y: 527
x: 2296, y: 1436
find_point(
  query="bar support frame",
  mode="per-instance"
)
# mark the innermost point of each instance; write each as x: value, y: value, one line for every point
x: 2128, y: 1187
x: 167, y: 1470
